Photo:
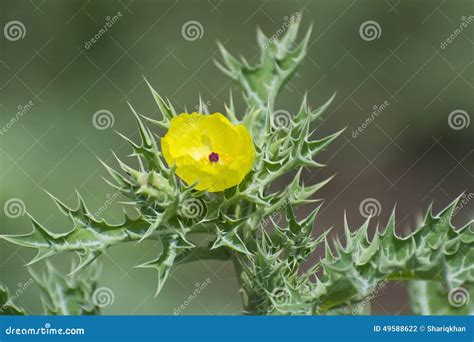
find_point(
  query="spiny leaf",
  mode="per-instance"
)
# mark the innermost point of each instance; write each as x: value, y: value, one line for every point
x: 278, y: 61
x: 432, y: 298
x: 433, y: 252
x: 202, y: 253
x: 167, y: 110
x: 164, y: 262
x: 231, y: 240
x: 89, y: 236
x: 68, y: 294
x: 7, y: 305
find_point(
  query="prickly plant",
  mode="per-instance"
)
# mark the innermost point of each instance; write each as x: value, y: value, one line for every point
x: 270, y: 258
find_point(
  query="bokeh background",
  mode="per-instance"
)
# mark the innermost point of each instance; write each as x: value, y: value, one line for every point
x: 409, y: 156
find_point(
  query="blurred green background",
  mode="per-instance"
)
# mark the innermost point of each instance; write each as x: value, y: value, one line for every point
x: 408, y: 156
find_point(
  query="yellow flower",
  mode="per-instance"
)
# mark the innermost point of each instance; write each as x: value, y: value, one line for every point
x: 208, y: 150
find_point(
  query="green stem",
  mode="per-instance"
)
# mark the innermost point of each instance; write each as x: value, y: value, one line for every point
x: 247, y: 303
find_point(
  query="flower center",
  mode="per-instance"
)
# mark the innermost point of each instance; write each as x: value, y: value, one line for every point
x: 213, y: 157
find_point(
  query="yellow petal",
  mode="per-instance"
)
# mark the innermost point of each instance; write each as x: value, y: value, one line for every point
x: 190, y: 140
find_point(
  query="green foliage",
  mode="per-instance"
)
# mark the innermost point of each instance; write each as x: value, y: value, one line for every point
x: 73, y: 294
x: 270, y: 258
x: 7, y: 305
x: 68, y: 294
x: 278, y: 61
x: 351, y: 271
x: 432, y: 298
x: 88, y: 238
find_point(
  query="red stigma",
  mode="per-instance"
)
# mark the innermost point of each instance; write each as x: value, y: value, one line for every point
x: 213, y: 157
